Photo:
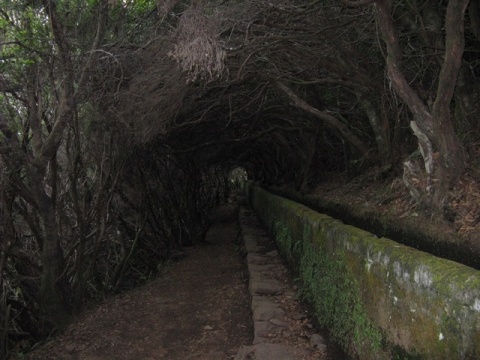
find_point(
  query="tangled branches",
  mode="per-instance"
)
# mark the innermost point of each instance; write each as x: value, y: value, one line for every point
x: 197, y: 47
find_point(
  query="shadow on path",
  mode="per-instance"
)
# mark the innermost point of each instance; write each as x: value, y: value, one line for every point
x: 198, y: 310
x: 202, y: 307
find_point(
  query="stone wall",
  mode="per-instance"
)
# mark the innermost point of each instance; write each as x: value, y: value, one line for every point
x: 379, y: 299
x: 402, y: 230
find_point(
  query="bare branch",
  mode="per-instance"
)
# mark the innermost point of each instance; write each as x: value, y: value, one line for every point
x: 455, y: 43
x: 102, y: 16
x: 67, y: 100
x: 329, y: 119
x: 198, y: 49
x: 358, y: 3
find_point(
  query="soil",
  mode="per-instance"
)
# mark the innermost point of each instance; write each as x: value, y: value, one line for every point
x: 198, y: 309
x: 389, y: 196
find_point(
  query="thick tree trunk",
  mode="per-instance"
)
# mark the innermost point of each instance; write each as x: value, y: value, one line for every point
x: 441, y: 149
x: 52, y: 292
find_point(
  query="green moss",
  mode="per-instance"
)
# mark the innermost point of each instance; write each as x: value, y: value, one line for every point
x: 335, y: 298
x: 379, y: 299
x: 283, y: 238
x: 400, y: 354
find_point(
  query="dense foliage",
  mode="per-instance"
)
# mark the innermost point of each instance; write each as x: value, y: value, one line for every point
x: 120, y: 121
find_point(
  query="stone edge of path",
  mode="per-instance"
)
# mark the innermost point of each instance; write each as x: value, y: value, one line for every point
x: 263, y: 287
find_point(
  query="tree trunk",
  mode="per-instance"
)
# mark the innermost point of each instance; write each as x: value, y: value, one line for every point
x: 52, y: 291
x: 441, y: 149
x: 380, y: 129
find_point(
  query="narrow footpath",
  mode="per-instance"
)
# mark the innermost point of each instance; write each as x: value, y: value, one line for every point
x: 201, y: 308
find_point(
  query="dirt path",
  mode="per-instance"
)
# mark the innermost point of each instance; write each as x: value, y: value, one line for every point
x: 199, y: 310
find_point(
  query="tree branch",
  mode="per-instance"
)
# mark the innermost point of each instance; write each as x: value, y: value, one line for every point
x: 329, y: 119
x: 102, y: 16
x: 454, y: 44
x: 394, y: 63
x: 357, y: 3
x: 67, y: 100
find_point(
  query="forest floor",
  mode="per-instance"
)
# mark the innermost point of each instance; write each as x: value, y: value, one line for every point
x: 198, y: 309
x: 389, y: 196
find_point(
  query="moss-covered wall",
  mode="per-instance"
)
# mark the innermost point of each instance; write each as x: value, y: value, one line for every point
x: 388, y: 225
x: 380, y: 299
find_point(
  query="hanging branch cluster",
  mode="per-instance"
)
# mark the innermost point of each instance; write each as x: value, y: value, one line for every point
x: 198, y: 49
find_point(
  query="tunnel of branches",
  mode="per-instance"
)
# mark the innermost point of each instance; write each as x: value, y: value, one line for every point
x: 121, y: 123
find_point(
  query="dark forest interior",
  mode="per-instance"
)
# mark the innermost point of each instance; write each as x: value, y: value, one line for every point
x: 123, y: 123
